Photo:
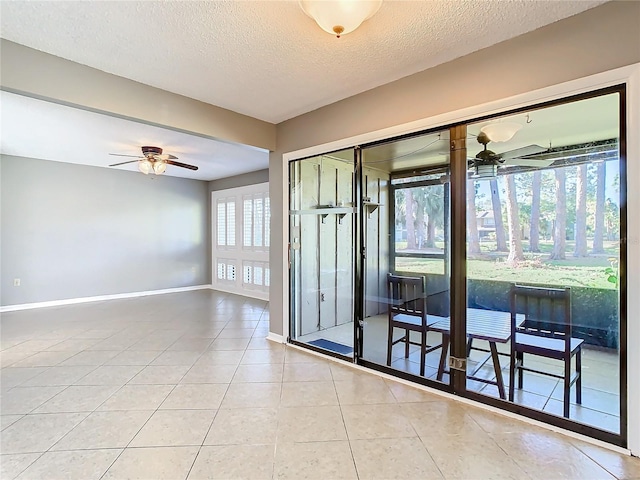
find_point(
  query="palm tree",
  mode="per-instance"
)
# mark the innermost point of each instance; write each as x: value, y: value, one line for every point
x: 418, y: 197
x: 515, y: 240
x: 430, y: 202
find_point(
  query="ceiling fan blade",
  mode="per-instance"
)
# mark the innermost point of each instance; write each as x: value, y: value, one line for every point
x: 180, y: 164
x: 165, y: 156
x: 121, y: 155
x: 523, y: 152
x: 123, y: 163
x: 529, y: 162
x: 518, y: 157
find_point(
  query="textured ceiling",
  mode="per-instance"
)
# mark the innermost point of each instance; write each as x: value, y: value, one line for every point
x: 267, y: 59
x: 33, y: 128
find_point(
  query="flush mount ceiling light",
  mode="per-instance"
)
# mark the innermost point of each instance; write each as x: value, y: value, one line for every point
x: 501, y: 131
x: 340, y: 17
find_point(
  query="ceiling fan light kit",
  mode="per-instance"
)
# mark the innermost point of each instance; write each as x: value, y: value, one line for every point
x: 484, y: 171
x: 501, y: 131
x: 339, y: 17
x: 486, y: 163
x: 153, y: 161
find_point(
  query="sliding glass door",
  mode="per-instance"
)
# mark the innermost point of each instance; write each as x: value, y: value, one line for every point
x: 321, y: 232
x: 486, y: 259
x: 544, y: 241
x: 405, y: 237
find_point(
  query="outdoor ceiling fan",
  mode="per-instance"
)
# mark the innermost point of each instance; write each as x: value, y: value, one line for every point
x: 153, y: 161
x: 485, y: 164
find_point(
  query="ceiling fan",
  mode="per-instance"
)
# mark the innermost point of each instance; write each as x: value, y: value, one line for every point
x: 153, y: 161
x: 485, y: 164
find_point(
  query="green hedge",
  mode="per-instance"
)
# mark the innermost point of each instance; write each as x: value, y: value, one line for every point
x: 594, y: 311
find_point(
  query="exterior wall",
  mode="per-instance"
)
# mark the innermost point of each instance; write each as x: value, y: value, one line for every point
x: 71, y: 231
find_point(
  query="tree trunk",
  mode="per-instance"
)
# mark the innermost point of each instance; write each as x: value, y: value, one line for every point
x: 580, y: 248
x: 534, y: 232
x: 598, y: 233
x: 560, y: 229
x: 515, y: 240
x: 431, y: 233
x: 472, y: 220
x: 411, y: 234
x: 421, y: 233
x: 501, y: 241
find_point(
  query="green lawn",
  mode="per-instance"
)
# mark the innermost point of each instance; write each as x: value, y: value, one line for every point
x: 536, y: 269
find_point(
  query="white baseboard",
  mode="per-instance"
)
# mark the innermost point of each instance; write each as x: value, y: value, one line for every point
x: 274, y: 337
x: 98, y: 298
x: 243, y: 293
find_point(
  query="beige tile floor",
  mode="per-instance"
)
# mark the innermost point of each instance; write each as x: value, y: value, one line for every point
x: 600, y: 395
x: 186, y: 386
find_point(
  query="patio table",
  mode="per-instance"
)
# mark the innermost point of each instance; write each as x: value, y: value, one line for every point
x: 489, y: 325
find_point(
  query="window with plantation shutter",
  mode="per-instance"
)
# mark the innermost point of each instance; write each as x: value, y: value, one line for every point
x: 226, y: 222
x: 241, y: 227
x: 256, y: 220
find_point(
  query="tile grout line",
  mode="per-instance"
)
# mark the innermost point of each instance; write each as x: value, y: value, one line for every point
x: 121, y: 387
x: 204, y: 438
x: 490, y: 437
x: 344, y: 424
x: 96, y: 409
x: 597, y: 462
x: 161, y: 403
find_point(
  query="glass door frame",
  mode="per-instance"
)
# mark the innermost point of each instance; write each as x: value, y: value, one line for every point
x: 361, y: 260
x: 291, y: 278
x: 458, y: 310
x: 458, y: 257
x: 620, y: 439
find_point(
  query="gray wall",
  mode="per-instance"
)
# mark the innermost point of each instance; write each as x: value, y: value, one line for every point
x: 251, y: 178
x: 70, y: 231
x: 597, y: 40
x: 41, y: 75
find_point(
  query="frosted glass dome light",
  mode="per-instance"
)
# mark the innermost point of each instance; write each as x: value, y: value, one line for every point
x: 501, y: 131
x: 145, y: 166
x: 339, y: 17
x: 159, y: 167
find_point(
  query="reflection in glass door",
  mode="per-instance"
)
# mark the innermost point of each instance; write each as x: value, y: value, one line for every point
x: 543, y: 250
x: 321, y: 226
x: 405, y: 212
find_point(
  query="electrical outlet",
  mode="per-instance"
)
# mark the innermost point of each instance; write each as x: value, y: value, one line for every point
x: 16, y: 282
